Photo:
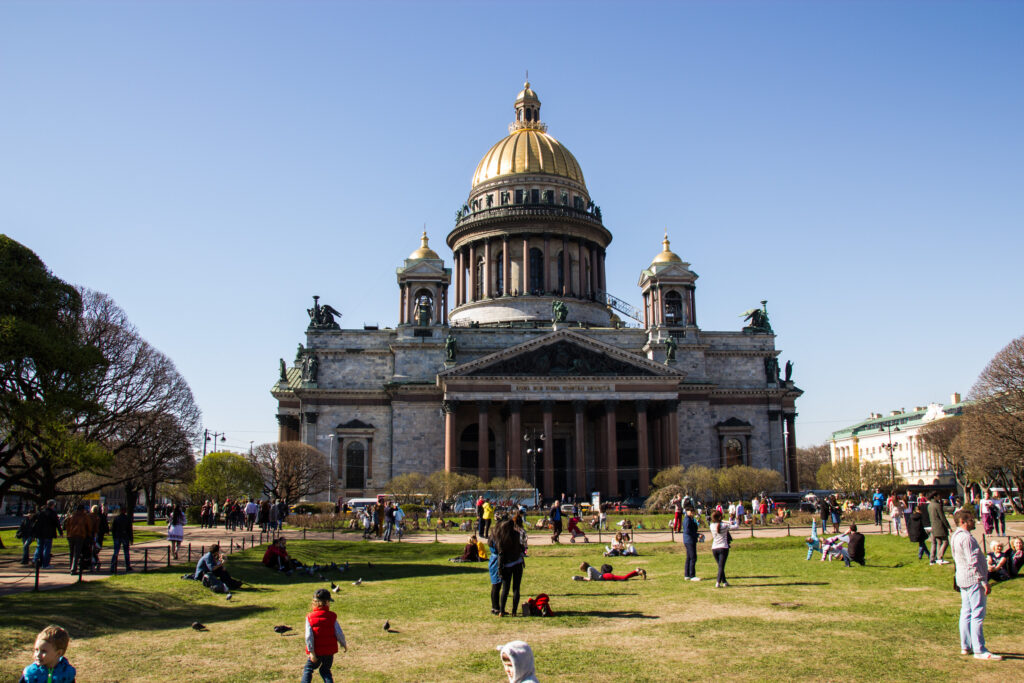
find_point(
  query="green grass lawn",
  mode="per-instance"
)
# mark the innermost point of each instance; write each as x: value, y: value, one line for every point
x: 12, y: 545
x: 783, y: 617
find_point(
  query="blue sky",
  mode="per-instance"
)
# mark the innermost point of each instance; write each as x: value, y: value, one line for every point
x: 211, y: 165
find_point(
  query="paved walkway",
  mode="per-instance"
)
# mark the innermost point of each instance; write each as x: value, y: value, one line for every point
x: 16, y: 578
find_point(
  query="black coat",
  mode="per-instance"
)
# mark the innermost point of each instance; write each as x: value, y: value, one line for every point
x: 122, y: 528
x: 915, y: 528
x: 856, y: 547
x: 47, y: 524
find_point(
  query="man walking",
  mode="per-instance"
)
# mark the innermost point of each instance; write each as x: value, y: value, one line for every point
x: 123, y: 533
x: 940, y: 530
x: 47, y: 527
x: 556, y: 521
x: 80, y: 528
x: 972, y: 578
x: 25, y: 534
x: 389, y: 521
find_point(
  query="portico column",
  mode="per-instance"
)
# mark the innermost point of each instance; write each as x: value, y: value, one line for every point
x: 612, y: 461
x: 581, y: 277
x: 449, y: 408
x: 656, y: 429
x: 444, y: 305
x: 641, y: 442
x: 566, y: 268
x: 547, y: 264
x: 525, y: 270
x: 601, y: 274
x: 515, y: 444
x: 401, y: 305
x: 483, y: 442
x: 673, y: 433
x: 549, y: 457
x: 487, y: 289
x: 792, y: 473
x: 506, y: 273
x: 580, y: 449
x: 593, y: 270
x: 472, y: 273
x: 457, y: 274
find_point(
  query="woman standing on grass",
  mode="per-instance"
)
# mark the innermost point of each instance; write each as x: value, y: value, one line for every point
x: 916, y: 532
x: 176, y: 529
x: 505, y: 539
x: 721, y: 540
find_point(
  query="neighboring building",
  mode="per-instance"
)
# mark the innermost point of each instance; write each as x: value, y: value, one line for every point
x: 469, y: 377
x: 868, y: 441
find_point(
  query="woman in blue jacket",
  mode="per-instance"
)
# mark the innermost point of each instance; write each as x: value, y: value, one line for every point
x: 690, y: 541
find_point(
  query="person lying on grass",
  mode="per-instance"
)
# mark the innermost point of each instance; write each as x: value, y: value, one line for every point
x: 591, y: 573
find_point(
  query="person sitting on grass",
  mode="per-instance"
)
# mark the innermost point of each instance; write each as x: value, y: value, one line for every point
x: 855, y: 547
x: 1015, y: 556
x: 574, y: 530
x: 998, y: 564
x: 276, y: 557
x: 50, y: 665
x: 835, y: 548
x: 470, y: 553
x: 591, y: 573
x: 212, y: 565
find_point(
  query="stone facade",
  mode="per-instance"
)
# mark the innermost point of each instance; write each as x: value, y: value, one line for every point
x: 467, y: 379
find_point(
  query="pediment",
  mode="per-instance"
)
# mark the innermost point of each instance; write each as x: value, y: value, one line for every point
x: 563, y: 354
x: 424, y: 267
x: 355, y: 424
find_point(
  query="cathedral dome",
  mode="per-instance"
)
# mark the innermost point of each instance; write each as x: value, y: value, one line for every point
x: 528, y: 149
x: 424, y: 251
x: 666, y: 255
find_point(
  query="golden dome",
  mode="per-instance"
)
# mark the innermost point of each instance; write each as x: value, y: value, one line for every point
x: 424, y: 251
x: 528, y: 148
x: 528, y: 151
x: 666, y: 255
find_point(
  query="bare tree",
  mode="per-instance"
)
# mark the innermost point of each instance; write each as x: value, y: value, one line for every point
x: 998, y: 413
x: 138, y: 390
x: 291, y: 470
x: 942, y: 437
x: 808, y: 461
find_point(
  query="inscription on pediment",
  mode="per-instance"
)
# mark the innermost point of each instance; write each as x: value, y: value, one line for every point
x: 562, y: 359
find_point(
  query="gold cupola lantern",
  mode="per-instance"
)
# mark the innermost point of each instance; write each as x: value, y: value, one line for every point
x: 424, y: 251
x: 666, y: 255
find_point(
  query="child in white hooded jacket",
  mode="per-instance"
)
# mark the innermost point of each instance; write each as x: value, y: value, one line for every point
x: 517, y: 658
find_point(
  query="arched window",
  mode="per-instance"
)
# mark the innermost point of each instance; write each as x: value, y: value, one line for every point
x: 536, y: 270
x: 674, y: 309
x: 733, y: 453
x: 355, y: 466
x: 424, y: 311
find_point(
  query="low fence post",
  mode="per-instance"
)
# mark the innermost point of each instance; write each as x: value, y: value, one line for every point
x: 303, y: 533
x: 80, y: 569
x: 332, y: 531
x: 788, y: 529
x: 145, y: 559
x: 190, y: 552
x: 672, y: 530
x: 38, y: 563
x: 435, y: 534
x: 168, y: 556
x: 751, y: 530
x: 890, y: 526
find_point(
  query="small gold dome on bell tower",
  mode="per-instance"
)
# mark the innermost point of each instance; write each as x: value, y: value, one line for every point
x: 424, y: 251
x: 666, y: 255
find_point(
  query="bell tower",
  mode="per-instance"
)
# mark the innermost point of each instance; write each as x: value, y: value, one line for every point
x: 668, y: 287
x: 423, y: 288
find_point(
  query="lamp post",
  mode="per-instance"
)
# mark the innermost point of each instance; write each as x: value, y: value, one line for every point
x: 207, y: 436
x: 890, y: 447
x: 535, y: 439
x: 330, y: 462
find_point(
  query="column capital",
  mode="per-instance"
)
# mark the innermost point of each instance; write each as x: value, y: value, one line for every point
x: 310, y: 417
x: 514, y: 406
x: 579, y: 406
x: 610, y: 403
x: 547, y: 406
x: 483, y: 405
x: 641, y: 405
x: 449, y: 405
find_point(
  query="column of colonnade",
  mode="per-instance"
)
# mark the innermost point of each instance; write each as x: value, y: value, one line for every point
x: 656, y: 428
x: 586, y: 281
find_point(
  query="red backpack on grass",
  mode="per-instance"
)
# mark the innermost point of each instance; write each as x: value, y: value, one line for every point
x: 539, y: 606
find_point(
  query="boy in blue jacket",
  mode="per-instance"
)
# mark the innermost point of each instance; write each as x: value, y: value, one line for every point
x: 50, y: 666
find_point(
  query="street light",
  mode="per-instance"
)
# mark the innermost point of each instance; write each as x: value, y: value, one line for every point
x: 535, y: 438
x: 207, y: 437
x: 890, y: 447
x: 330, y: 462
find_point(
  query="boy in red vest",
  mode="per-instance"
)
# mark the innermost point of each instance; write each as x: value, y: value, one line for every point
x: 323, y: 635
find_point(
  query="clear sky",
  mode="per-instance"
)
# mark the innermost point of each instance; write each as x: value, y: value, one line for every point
x: 211, y: 165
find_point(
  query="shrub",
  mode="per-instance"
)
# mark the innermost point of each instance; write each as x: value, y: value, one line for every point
x: 313, y: 509
x: 192, y: 514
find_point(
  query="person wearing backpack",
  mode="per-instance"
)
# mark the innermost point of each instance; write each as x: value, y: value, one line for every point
x: 24, y: 534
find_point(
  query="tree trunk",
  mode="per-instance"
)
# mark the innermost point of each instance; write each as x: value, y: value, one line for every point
x: 131, y: 498
x: 151, y: 504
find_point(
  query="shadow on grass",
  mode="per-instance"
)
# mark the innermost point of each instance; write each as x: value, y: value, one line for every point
x: 103, y: 607
x: 777, y: 576
x: 605, y: 614
x: 588, y: 595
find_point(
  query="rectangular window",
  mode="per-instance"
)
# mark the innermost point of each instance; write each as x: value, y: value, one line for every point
x: 535, y: 196
x: 519, y: 196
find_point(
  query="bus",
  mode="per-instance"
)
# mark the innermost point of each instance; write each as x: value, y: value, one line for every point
x: 466, y: 500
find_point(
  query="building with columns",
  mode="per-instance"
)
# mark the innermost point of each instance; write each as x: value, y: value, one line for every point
x: 520, y: 340
x: 871, y: 440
